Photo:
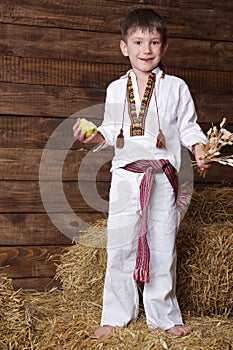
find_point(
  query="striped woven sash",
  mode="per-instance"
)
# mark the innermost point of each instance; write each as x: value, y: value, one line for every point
x: 150, y: 168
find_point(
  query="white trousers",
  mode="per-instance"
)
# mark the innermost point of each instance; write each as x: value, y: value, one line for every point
x: 120, y: 298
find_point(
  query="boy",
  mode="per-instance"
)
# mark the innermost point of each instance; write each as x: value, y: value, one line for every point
x: 148, y: 115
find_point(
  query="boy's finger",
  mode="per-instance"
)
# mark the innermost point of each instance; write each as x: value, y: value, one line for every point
x: 88, y: 139
x: 76, y: 125
x: 77, y: 132
x: 81, y: 136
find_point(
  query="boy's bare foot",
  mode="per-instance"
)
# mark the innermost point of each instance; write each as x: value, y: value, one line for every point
x: 179, y: 331
x: 104, y: 332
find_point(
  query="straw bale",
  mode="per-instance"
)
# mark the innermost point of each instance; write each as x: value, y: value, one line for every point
x: 205, y: 254
x: 211, y: 205
x: 65, y: 319
x: 14, y: 327
x: 82, y: 271
x: 205, y: 272
x: 75, y: 315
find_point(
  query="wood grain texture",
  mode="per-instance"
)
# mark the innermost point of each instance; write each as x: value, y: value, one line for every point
x: 25, y: 164
x: 27, y: 131
x: 30, y: 229
x: 42, y: 71
x: 198, y: 54
x: 182, y: 21
x: 25, y: 196
x: 73, y: 165
x: 207, y: 4
x: 56, y: 43
x: 40, y: 284
x: 30, y: 261
x: 33, y: 132
x: 45, y: 71
x: 212, y: 108
x: 35, y: 100
x: 22, y: 229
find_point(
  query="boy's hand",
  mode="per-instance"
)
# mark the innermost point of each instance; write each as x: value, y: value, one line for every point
x: 199, y: 153
x: 80, y: 134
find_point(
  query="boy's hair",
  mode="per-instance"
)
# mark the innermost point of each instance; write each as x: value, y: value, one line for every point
x: 144, y: 19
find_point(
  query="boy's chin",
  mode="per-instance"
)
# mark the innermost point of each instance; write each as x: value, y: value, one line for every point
x: 147, y: 67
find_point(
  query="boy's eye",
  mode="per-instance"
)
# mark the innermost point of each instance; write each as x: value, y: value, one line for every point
x: 138, y: 42
x: 155, y: 42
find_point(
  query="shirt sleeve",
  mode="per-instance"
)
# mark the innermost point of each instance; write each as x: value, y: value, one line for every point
x: 190, y: 132
x: 108, y: 126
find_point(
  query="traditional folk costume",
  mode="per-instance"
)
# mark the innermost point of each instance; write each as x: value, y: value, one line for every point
x: 144, y: 195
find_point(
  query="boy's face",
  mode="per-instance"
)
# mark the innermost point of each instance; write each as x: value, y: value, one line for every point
x: 144, y: 50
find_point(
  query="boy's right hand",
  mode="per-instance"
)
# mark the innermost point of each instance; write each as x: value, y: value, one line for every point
x: 80, y: 134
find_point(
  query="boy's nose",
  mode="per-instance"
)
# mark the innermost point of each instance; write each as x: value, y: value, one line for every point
x: 147, y: 48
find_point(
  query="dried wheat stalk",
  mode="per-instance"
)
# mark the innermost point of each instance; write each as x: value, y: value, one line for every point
x: 217, y: 139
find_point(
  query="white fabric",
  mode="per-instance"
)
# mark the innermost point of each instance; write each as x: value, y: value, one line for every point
x: 177, y: 120
x: 120, y: 302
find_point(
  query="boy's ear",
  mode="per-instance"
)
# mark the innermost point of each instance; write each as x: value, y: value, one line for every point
x: 165, y: 47
x: 124, y: 49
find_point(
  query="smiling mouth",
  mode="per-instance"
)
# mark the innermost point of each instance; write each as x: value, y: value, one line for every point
x: 146, y: 59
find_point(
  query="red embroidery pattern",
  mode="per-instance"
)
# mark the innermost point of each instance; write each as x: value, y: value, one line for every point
x: 137, y: 126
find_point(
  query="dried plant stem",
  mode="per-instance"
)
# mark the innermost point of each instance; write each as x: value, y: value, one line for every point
x: 217, y: 139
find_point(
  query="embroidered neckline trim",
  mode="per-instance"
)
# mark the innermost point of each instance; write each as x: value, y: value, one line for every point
x: 137, y: 126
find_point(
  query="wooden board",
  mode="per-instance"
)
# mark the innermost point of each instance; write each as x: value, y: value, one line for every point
x: 37, y: 100
x: 207, y: 4
x: 30, y: 261
x: 25, y: 196
x: 39, y: 284
x: 27, y: 131
x: 182, y: 20
x: 34, y: 100
x: 19, y: 229
x: 34, y: 132
x: 54, y: 43
x: 26, y: 165
x: 44, y: 71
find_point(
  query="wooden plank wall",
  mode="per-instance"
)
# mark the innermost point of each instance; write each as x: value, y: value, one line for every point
x: 56, y: 58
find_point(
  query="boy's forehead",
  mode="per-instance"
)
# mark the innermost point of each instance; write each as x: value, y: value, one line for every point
x: 140, y: 32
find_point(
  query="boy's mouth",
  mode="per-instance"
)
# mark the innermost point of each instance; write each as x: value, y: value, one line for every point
x: 146, y: 59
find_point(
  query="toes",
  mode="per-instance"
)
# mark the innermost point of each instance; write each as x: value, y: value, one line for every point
x: 179, y: 331
x: 188, y: 330
x: 104, y: 332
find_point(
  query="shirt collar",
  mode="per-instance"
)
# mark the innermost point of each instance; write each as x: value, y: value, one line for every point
x: 156, y: 70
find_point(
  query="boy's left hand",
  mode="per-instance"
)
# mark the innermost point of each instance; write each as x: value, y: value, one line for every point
x: 199, y: 153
